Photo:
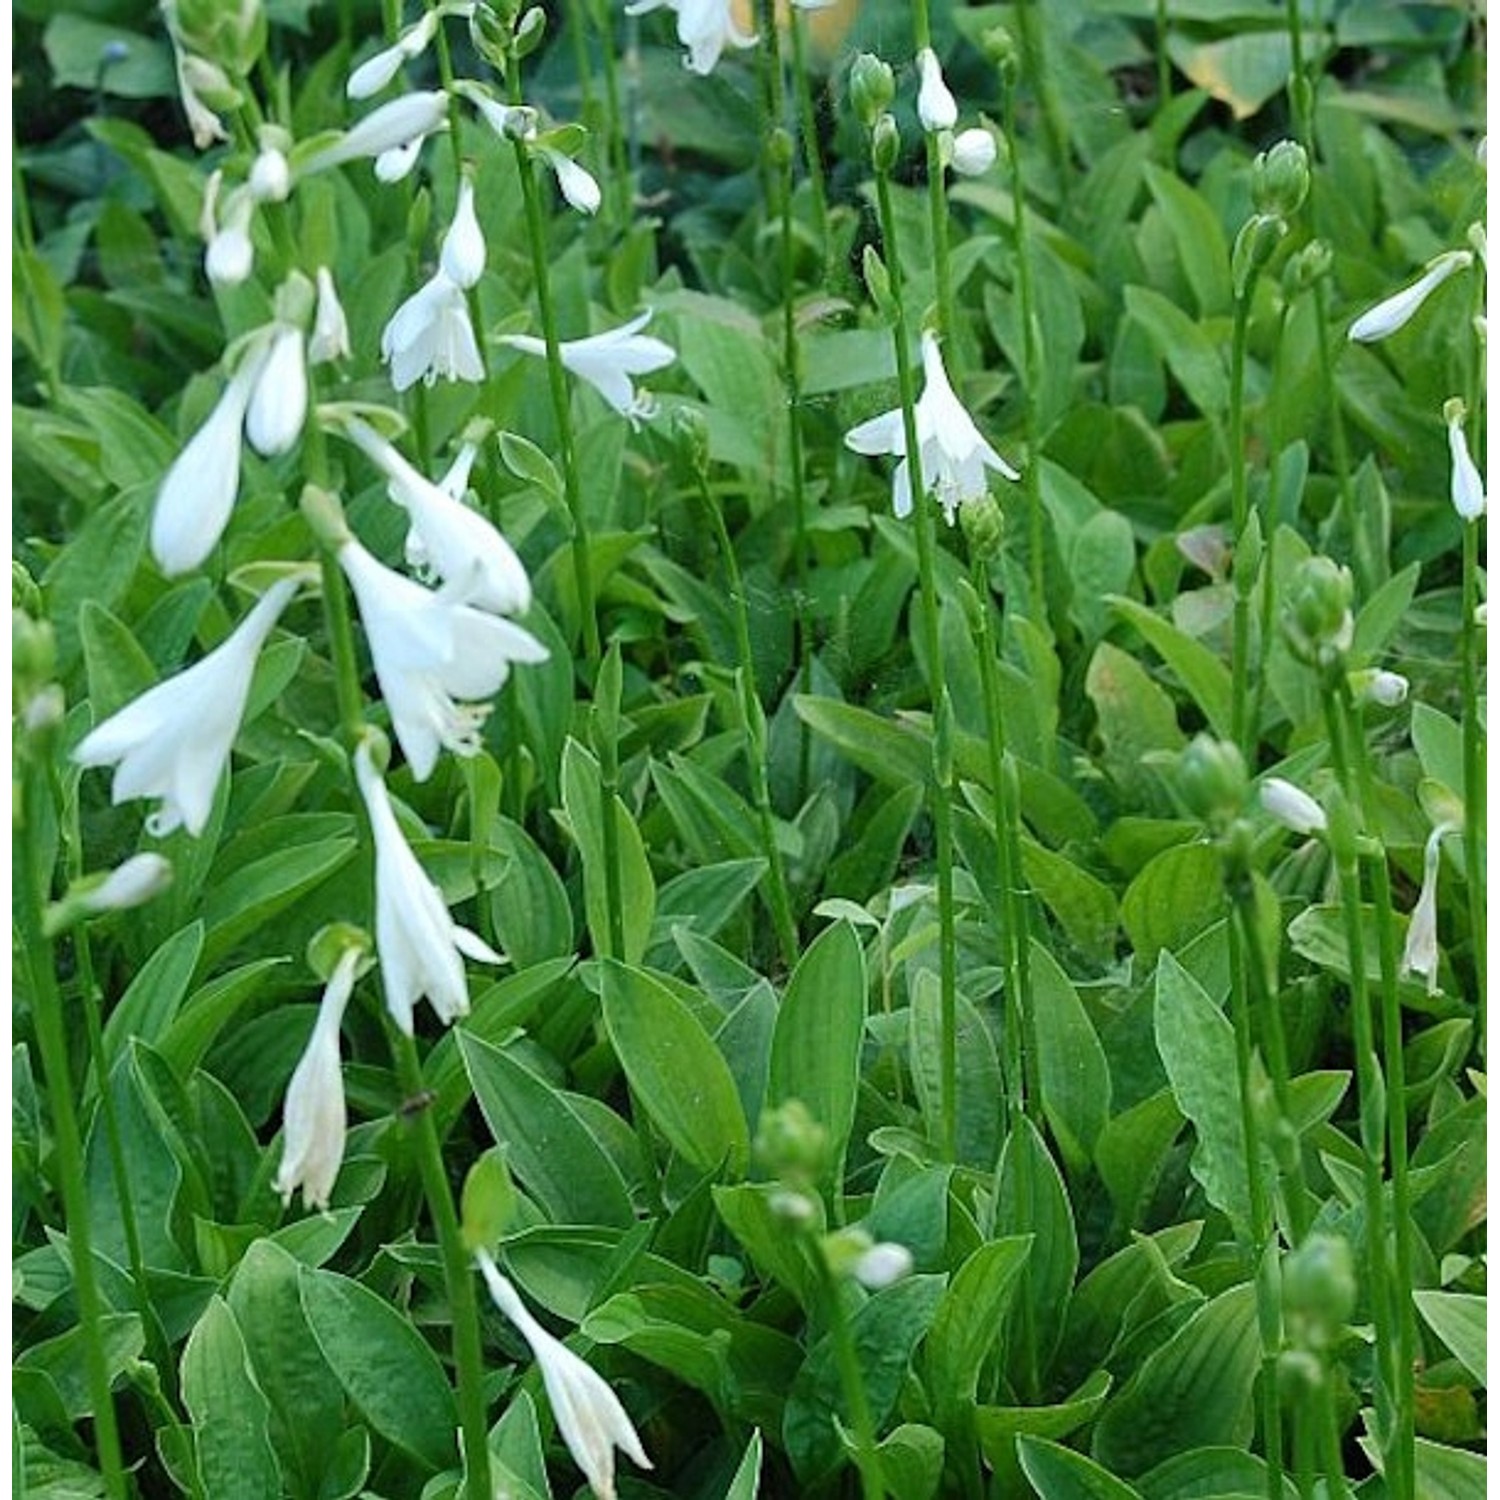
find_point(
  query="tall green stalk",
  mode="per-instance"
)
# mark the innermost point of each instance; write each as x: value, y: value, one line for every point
x: 942, y: 759
x: 851, y: 1378
x: 812, y: 151
x: 39, y: 965
x: 1241, y: 731
x: 937, y: 193
x: 1474, y: 777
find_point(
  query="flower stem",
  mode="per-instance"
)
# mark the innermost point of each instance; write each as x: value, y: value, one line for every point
x: 1031, y: 474
x: 753, y: 723
x: 942, y: 813
x: 937, y: 195
x: 1241, y: 729
x: 812, y: 151
x: 1474, y: 775
x: 1054, y: 133
x: 1163, y: 61
x: 871, y: 1479
x: 463, y: 1305
x: 39, y: 966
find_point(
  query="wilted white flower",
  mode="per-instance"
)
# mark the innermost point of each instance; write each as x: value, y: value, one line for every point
x: 457, y: 543
x: 508, y: 121
x: 607, y: 361
x: 270, y: 177
x: 173, y: 742
x: 375, y: 72
x: 704, y: 27
x: 402, y: 123
x: 974, y: 152
x: 462, y: 253
x: 278, y: 401
x: 1420, y: 955
x: 195, y: 76
x: 882, y: 1265
x: 435, y: 657
x: 197, y: 494
x: 1291, y: 806
x: 936, y: 107
x: 589, y: 1415
x: 1386, y: 317
x: 330, y: 335
x: 953, y: 454
x: 574, y: 181
x: 416, y: 939
x: 314, y: 1119
x: 1466, y: 484
x: 140, y: 879
x: 431, y: 334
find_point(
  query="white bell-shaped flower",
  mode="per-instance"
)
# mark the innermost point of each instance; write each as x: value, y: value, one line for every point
x: 278, y: 401
x: 607, y: 361
x: 435, y: 658
x: 1466, y: 483
x: 704, y: 27
x: 589, y: 1415
x: 953, y: 454
x: 314, y: 1117
x: 431, y: 335
x: 197, y: 495
x: 1385, y: 318
x: 974, y: 152
x: 230, y: 256
x: 270, y: 176
x: 375, y: 72
x: 1420, y: 955
x: 173, y: 742
x: 936, y: 107
x: 458, y: 544
x: 416, y: 939
x: 1291, y: 806
x: 141, y: 878
x: 404, y: 122
x: 462, y: 253
x: 330, y: 335
x: 575, y: 182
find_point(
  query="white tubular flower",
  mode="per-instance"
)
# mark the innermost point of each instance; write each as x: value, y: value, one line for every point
x: 936, y: 107
x: 953, y: 454
x: 434, y: 658
x: 416, y: 939
x: 402, y: 123
x: 141, y: 878
x: 197, y: 495
x: 608, y: 360
x: 508, y: 121
x: 1420, y: 955
x: 314, y: 1118
x: 882, y: 1265
x: 1396, y: 312
x: 974, y: 152
x: 278, y: 402
x: 458, y: 544
x: 270, y: 177
x: 704, y: 27
x: 430, y: 335
x: 230, y: 256
x: 1466, y: 485
x: 375, y: 72
x: 589, y: 1415
x: 462, y: 254
x: 173, y: 742
x: 330, y: 335
x: 1291, y: 807
x: 575, y: 182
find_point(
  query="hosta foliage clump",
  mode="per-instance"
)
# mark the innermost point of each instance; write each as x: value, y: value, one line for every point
x: 881, y: 607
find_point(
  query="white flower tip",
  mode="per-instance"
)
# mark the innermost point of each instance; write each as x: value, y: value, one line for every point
x: 936, y: 107
x: 974, y: 152
x: 1290, y: 806
x: 140, y: 879
x: 882, y: 1265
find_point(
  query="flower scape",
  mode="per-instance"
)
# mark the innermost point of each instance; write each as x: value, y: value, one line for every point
x: 880, y: 604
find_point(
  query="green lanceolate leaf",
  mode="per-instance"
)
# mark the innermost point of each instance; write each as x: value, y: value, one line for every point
x: 1060, y: 1474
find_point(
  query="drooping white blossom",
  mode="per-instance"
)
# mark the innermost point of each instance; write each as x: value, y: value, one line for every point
x: 589, y: 1415
x: 140, y: 879
x: 417, y: 941
x: 314, y: 1116
x: 173, y: 742
x: 458, y: 544
x: 607, y: 361
x: 1466, y: 483
x: 704, y: 27
x: 974, y: 152
x: 278, y: 400
x: 882, y: 1265
x: 230, y: 256
x: 404, y: 122
x: 574, y: 181
x: 462, y: 252
x: 270, y: 176
x: 936, y: 107
x: 330, y: 335
x: 953, y: 454
x: 1420, y: 955
x: 431, y: 335
x: 1385, y: 318
x: 435, y: 656
x: 1291, y: 806
x: 375, y: 72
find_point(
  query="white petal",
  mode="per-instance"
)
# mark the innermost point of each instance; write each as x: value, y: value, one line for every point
x: 1291, y: 806
x: 278, y: 403
x: 936, y: 107
x: 974, y: 152
x: 1466, y: 486
x: 463, y: 252
x: 883, y: 434
x: 1395, y: 312
x: 576, y: 183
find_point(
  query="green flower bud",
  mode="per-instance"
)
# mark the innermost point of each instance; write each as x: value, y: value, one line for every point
x: 1211, y: 781
x: 999, y: 46
x: 1279, y: 179
x: 690, y: 433
x: 1319, y: 622
x: 791, y: 1145
x: 33, y: 652
x: 844, y: 1249
x: 24, y: 592
x: 1318, y: 1290
x: 779, y: 149
x: 878, y: 282
x: 491, y: 28
x: 885, y: 144
x: 329, y: 944
x: 1310, y: 265
x: 530, y: 32
x: 983, y: 524
x: 1253, y: 248
x: 296, y: 298
x: 872, y: 86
